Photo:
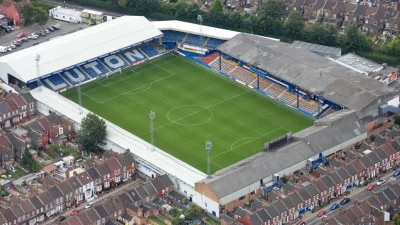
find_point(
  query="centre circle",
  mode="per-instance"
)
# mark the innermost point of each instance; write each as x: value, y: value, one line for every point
x: 189, y: 115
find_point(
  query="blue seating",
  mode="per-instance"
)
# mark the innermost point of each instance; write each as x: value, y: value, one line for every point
x: 214, y: 43
x: 114, y: 62
x: 195, y: 40
x: 133, y: 55
x: 94, y: 68
x: 73, y: 76
x: 174, y: 36
x: 149, y: 50
x: 54, y: 82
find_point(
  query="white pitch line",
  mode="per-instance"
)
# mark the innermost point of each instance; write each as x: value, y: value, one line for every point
x: 247, y: 142
x: 198, y: 111
x: 91, y: 98
x: 136, y: 88
x: 162, y: 68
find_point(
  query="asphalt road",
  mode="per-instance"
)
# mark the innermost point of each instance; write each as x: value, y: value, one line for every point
x: 364, y: 194
x: 9, y: 38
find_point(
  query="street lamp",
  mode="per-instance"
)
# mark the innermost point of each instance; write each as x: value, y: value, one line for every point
x: 208, y: 149
x: 152, y: 116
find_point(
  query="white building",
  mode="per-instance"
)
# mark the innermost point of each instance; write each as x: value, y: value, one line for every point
x: 64, y: 14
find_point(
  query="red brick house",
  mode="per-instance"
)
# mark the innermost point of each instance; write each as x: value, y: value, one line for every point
x: 12, y: 10
x: 105, y: 174
x: 116, y: 170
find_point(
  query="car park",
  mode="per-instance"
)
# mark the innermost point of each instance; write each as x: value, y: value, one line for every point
x: 334, y: 206
x: 345, y: 201
x: 380, y: 182
x: 21, y: 35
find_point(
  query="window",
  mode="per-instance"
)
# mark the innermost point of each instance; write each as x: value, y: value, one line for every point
x: 241, y: 198
x: 6, y: 156
x: 375, y: 22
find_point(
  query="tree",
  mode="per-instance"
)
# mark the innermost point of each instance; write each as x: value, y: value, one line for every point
x: 285, y: 179
x: 397, y: 120
x: 353, y: 40
x: 28, y: 10
x: 193, y: 211
x: 92, y: 133
x: 29, y: 163
x: 272, y: 8
x: 174, y: 212
x: 122, y: 3
x: 178, y: 221
x: 394, y: 46
x: 217, y: 6
x: 294, y: 25
x: 235, y: 20
x: 396, y: 220
x: 41, y: 16
x: 181, y: 9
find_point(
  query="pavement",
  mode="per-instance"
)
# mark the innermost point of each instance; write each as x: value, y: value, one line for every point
x: 356, y: 193
x: 80, y: 7
x: 103, y: 197
x: 65, y: 28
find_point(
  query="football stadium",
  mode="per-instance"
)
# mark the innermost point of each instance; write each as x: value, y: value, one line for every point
x: 269, y: 108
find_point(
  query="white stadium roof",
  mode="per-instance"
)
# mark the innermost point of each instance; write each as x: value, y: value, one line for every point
x: 77, y: 47
x: 193, y: 28
x: 123, y: 138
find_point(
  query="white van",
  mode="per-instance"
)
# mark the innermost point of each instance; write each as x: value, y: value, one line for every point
x: 4, y: 49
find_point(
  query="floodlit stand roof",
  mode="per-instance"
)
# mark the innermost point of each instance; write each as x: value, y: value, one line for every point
x: 77, y: 47
x: 195, y: 29
x: 123, y: 138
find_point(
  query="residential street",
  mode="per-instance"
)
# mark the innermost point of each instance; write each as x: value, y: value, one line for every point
x: 359, y: 193
x: 100, y: 199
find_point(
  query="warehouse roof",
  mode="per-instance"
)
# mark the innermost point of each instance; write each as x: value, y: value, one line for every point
x: 305, y: 144
x: 301, y: 67
x: 78, y: 47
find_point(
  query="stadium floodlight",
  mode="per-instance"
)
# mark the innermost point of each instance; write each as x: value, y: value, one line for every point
x: 208, y: 149
x: 38, y: 72
x: 200, y: 19
x: 80, y: 95
x: 152, y: 116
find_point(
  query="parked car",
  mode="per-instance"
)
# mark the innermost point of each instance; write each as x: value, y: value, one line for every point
x: 74, y: 212
x: 16, y: 43
x: 60, y: 219
x: 380, y: 182
x: 321, y: 213
x: 33, y: 36
x: 345, y: 201
x: 335, y: 206
x: 46, y: 31
x: 56, y: 27
x: 50, y: 29
x: 24, y: 39
x: 10, y: 27
x: 21, y: 35
x: 396, y: 173
x: 371, y: 187
x: 13, y: 46
x: 18, y: 40
x: 5, y: 29
x: 88, y: 205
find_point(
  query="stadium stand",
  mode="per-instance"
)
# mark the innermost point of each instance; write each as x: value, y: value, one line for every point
x: 213, y: 43
x: 310, y: 107
x: 208, y: 59
x: 133, y: 55
x: 226, y: 67
x: 288, y: 98
x: 243, y: 75
x: 195, y: 40
x: 54, y: 82
x: 114, y: 62
x: 274, y: 90
x: 94, y: 68
x: 73, y: 76
x: 149, y: 50
x: 173, y: 36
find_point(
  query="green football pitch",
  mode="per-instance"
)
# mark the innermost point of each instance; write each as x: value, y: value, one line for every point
x: 192, y: 105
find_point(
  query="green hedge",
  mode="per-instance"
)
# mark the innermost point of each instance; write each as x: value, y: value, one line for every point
x: 381, y: 58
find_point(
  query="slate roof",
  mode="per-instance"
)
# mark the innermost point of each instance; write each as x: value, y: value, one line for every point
x: 74, y: 183
x: 389, y: 194
x: 167, y: 182
x: 272, y: 211
x: 17, y: 210
x: 343, y: 174
x: 177, y: 195
x: 93, y: 173
x: 149, y: 188
x: 103, y: 169
x: 264, y: 216
x: 27, y: 206
x: 312, y: 190
x: 157, y: 184
x: 92, y: 215
x: 255, y: 219
x: 112, y: 164
x: 55, y: 192
x: 46, y: 198
x: 142, y: 192
x: 288, y: 203
x: 295, y: 198
x: 327, y: 180
x: 382, y: 198
x: 358, y: 165
x: 101, y: 211
x: 9, y: 215
x: 109, y: 207
x: 381, y: 154
x: 304, y: 194
x: 320, y: 185
x: 135, y: 196
x: 351, y: 170
x: 366, y: 162
x: 65, y: 187
x: 129, y: 157
x: 84, y: 218
x: 36, y: 202
x: 373, y: 157
x: 84, y: 178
